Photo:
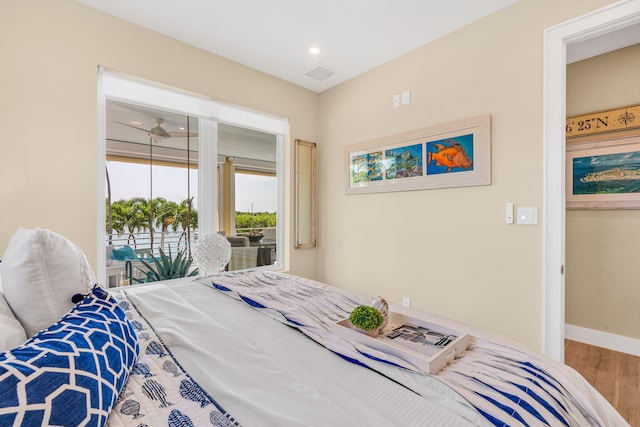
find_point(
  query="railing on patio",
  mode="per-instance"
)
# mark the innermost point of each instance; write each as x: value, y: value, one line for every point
x: 141, y: 242
x: 117, y: 274
x: 247, y: 231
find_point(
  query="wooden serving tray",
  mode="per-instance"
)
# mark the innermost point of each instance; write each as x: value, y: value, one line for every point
x: 427, y: 346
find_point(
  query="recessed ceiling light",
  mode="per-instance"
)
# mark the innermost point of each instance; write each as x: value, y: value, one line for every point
x: 314, y: 50
x: 134, y: 122
x: 181, y: 128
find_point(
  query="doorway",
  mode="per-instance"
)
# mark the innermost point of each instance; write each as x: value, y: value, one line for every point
x: 559, y: 41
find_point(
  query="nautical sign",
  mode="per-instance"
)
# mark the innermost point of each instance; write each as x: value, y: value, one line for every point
x: 605, y: 121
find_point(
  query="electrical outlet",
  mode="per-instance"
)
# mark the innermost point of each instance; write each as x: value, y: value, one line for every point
x: 406, y: 302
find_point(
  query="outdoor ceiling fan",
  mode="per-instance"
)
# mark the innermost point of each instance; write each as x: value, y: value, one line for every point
x: 158, y: 133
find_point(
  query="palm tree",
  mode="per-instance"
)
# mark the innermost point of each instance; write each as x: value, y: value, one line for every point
x: 151, y: 209
x: 118, y: 213
x: 130, y: 215
x: 165, y: 215
x: 138, y: 215
x: 187, y: 218
x: 141, y: 210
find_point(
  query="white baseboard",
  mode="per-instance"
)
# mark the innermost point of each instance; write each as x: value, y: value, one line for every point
x: 602, y: 339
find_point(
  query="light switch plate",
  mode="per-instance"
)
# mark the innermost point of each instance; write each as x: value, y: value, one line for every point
x: 406, y: 97
x: 527, y: 216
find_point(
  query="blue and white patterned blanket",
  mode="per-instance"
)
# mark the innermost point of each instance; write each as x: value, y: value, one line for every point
x: 507, y: 384
x: 159, y: 392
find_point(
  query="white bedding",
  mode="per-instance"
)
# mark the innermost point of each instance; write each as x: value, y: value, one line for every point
x: 267, y: 374
x: 264, y: 372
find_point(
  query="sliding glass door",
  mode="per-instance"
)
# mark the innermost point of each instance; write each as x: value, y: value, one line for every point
x: 172, y: 176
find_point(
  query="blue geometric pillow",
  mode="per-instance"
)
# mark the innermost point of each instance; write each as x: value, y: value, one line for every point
x: 71, y: 373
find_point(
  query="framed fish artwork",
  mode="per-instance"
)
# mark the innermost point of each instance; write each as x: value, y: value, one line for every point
x: 603, y: 174
x: 456, y: 154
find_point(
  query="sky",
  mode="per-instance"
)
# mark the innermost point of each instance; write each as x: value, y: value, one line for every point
x: 253, y: 192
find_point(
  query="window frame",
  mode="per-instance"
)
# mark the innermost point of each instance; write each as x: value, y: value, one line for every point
x: 119, y: 87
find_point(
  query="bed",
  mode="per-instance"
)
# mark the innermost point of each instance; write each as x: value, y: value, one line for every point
x: 251, y: 348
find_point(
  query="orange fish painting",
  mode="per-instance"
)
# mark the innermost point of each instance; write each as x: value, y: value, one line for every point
x: 450, y: 154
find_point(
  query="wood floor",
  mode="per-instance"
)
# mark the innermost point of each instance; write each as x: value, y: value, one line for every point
x: 615, y: 375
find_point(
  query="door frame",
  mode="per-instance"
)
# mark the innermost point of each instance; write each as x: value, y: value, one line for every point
x: 557, y: 39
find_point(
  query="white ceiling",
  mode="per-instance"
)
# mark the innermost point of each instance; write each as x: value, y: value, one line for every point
x: 274, y: 36
x: 124, y: 140
x: 603, y: 43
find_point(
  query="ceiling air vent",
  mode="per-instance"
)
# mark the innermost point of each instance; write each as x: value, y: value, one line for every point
x: 320, y: 72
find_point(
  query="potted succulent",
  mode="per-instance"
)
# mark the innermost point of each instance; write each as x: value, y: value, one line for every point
x: 167, y: 267
x: 366, y: 319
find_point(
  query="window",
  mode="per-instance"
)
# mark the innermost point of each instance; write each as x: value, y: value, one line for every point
x: 256, y: 201
x: 176, y: 167
x: 152, y: 176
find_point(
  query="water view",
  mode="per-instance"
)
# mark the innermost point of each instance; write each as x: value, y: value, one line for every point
x: 607, y: 174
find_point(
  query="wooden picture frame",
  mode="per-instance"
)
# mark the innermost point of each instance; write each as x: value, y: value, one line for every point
x: 456, y: 154
x: 305, y: 194
x: 603, y: 174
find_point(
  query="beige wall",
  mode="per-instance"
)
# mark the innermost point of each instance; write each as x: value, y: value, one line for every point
x: 50, y: 54
x: 602, y: 291
x: 450, y: 249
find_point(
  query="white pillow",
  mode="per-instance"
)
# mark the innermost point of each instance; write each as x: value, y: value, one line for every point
x: 41, y: 271
x: 11, y: 331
